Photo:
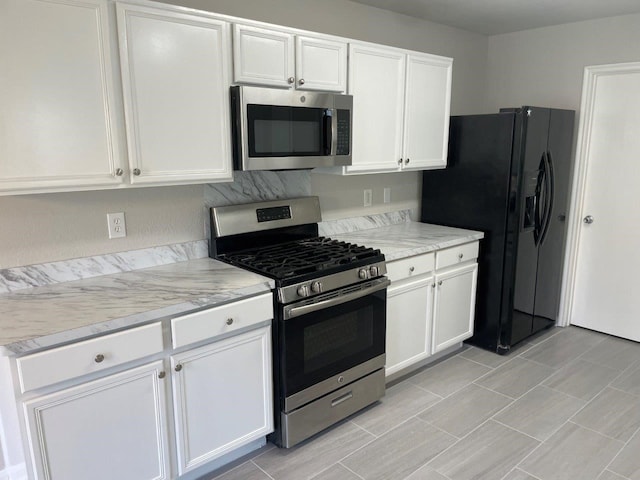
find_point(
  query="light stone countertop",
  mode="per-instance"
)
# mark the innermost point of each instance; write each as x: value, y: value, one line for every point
x: 40, y: 317
x: 410, y: 238
x: 35, y: 318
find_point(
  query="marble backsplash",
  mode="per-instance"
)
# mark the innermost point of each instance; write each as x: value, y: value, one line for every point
x: 347, y: 225
x: 247, y: 187
x: 259, y: 186
x: 17, y: 278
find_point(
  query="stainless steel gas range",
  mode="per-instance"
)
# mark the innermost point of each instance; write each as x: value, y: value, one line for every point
x: 330, y: 311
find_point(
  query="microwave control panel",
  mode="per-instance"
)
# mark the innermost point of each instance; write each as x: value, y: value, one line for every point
x: 344, y: 132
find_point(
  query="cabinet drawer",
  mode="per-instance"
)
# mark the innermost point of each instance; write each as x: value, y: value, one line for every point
x: 410, y: 267
x: 210, y: 323
x: 456, y: 255
x: 53, y: 366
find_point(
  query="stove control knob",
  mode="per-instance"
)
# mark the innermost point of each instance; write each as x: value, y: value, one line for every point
x: 363, y: 273
x: 303, y: 291
x: 316, y: 287
x: 373, y: 270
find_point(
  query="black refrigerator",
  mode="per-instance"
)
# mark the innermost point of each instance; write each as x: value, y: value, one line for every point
x: 508, y: 175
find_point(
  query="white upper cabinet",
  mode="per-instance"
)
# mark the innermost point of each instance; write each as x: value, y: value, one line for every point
x: 426, y: 112
x: 400, y: 109
x: 321, y: 64
x: 175, y: 75
x: 59, y: 124
x: 376, y: 81
x: 262, y: 57
x: 266, y: 57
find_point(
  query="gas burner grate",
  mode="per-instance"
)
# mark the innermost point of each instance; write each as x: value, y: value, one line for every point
x: 300, y: 257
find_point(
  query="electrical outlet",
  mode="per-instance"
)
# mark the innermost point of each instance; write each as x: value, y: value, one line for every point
x: 116, y: 225
x: 387, y: 194
x: 368, y: 197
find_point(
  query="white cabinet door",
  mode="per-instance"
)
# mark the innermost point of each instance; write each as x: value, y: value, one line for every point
x: 409, y: 310
x: 175, y: 70
x: 223, y: 397
x: 454, y: 306
x: 321, y: 64
x: 262, y: 56
x: 376, y: 81
x: 59, y: 128
x: 110, y: 428
x: 426, y: 114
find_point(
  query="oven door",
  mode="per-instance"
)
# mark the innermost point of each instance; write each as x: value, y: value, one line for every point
x: 331, y: 340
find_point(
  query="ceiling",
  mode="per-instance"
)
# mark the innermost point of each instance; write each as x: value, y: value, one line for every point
x: 491, y: 17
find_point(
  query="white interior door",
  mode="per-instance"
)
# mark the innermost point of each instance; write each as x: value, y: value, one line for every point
x: 607, y: 260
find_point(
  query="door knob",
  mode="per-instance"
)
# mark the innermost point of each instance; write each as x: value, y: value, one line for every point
x: 588, y: 219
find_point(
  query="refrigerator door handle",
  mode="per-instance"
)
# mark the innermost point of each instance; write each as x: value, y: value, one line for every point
x: 549, y: 187
x: 538, y: 201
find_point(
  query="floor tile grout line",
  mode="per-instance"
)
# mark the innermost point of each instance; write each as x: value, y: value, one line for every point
x: 258, y: 467
x: 371, y: 441
x: 457, y: 438
x: 620, y: 451
x: 596, y: 431
x: 516, y: 468
x: 623, y: 391
x: 315, y: 475
x: 347, y: 468
x: 620, y: 372
x: 519, y: 431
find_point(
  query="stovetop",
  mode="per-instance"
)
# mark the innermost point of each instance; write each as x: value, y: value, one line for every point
x: 304, y: 258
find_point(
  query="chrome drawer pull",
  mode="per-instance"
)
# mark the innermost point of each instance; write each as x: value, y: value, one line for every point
x: 99, y: 358
x: 343, y: 398
x: 229, y: 321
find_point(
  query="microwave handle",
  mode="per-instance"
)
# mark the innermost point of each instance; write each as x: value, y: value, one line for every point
x: 328, y: 125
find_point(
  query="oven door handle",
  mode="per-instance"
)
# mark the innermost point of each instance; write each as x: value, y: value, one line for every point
x: 292, y: 311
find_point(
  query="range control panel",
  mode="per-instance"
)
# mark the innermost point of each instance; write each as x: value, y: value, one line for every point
x: 273, y: 213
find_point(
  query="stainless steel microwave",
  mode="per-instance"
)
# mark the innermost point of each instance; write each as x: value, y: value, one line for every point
x: 283, y: 129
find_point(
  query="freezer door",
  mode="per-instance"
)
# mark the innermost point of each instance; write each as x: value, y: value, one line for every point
x: 473, y: 192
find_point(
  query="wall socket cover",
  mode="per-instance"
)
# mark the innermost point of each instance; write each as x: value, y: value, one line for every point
x: 116, y: 225
x: 387, y: 194
x: 368, y: 197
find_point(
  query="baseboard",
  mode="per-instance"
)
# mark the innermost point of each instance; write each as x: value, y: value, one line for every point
x: 18, y: 472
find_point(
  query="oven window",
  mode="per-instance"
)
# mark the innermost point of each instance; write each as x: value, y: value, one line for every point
x: 276, y: 131
x: 321, y: 344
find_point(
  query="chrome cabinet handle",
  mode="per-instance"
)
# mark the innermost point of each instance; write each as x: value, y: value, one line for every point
x: 291, y: 79
x: 99, y: 358
x: 119, y: 172
x: 588, y: 220
x: 136, y: 171
x: 229, y: 321
x: 178, y: 367
x: 406, y: 162
x: 460, y: 255
x: 400, y: 161
x: 301, y: 81
x: 162, y: 374
x: 411, y: 269
x: 440, y: 282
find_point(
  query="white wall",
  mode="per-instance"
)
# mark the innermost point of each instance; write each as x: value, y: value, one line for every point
x: 544, y: 66
x: 41, y: 228
x: 58, y: 226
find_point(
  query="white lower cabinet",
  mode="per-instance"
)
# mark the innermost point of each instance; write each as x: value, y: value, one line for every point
x: 223, y: 397
x: 409, y: 308
x: 430, y: 305
x: 136, y: 405
x: 114, y: 427
x: 454, y: 306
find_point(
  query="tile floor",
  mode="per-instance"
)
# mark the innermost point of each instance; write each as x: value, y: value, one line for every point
x: 564, y: 406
